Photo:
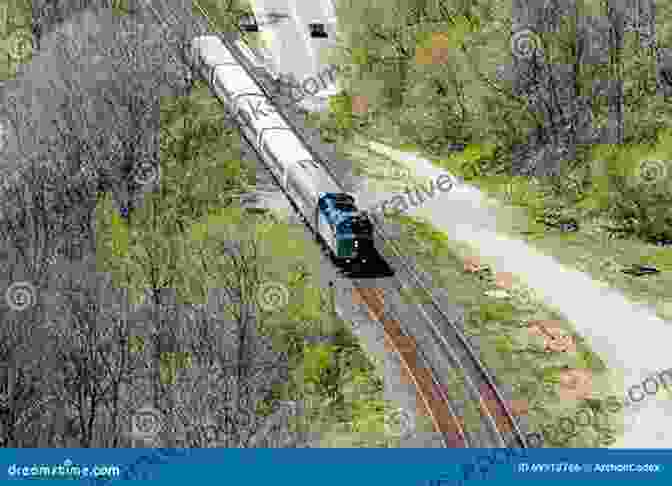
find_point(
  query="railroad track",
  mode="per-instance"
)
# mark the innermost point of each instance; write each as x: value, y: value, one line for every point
x: 451, y: 350
x: 429, y: 403
x: 498, y: 427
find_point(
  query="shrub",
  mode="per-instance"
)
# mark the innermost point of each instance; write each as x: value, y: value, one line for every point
x: 633, y: 186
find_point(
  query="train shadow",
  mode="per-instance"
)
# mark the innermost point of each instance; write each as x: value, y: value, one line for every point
x: 374, y: 267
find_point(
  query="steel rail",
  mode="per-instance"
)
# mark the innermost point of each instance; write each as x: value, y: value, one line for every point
x: 408, y: 267
x: 441, y: 412
x: 427, y: 396
x: 476, y: 361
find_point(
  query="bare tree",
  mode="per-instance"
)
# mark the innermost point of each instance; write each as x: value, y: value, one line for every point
x: 22, y: 370
x: 106, y: 76
x: 86, y: 130
x: 223, y: 407
x: 95, y: 364
x: 82, y: 128
x: 240, y: 369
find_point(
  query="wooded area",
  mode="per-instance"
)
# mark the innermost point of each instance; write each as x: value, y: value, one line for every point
x: 566, y: 96
x: 141, y: 305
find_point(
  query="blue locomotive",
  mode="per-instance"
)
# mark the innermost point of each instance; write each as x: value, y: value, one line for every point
x: 346, y: 231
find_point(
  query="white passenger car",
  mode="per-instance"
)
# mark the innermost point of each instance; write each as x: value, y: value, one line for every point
x: 331, y: 214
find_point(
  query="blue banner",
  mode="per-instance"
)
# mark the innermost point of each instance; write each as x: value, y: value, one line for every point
x: 339, y: 467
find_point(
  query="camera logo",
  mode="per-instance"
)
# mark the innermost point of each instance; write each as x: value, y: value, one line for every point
x: 146, y: 423
x: 19, y: 46
x: 20, y: 296
x: 399, y: 423
x: 526, y: 44
x: 652, y: 171
x: 272, y: 296
x: 16, y: 40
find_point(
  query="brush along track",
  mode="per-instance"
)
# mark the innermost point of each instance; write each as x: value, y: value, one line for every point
x: 447, y: 350
x: 443, y: 418
x: 452, y: 351
x: 498, y: 426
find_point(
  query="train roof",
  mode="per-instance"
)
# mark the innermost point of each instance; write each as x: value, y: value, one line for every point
x: 286, y: 141
x: 238, y: 77
x: 338, y: 196
x: 293, y: 151
x: 316, y: 177
x: 213, y: 50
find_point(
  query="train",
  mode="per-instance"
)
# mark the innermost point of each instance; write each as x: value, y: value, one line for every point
x: 332, y: 214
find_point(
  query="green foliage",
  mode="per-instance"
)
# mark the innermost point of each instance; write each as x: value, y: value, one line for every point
x: 317, y: 360
x: 467, y: 99
x: 200, y: 156
x: 415, y: 295
x: 592, y: 361
x: 119, y: 234
x: 661, y: 259
x: 121, y: 7
x: 341, y: 107
x: 634, y: 187
x: 342, y: 393
x: 201, y: 173
x: 455, y: 31
x: 497, y: 312
x: 15, y: 25
x: 360, y: 56
x: 224, y: 16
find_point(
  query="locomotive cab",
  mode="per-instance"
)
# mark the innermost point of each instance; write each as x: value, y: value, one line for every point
x: 346, y: 231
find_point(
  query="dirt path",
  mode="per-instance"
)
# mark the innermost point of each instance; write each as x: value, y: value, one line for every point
x: 631, y: 339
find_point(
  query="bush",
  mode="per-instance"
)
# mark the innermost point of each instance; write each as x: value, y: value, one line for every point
x: 341, y: 107
x: 633, y: 186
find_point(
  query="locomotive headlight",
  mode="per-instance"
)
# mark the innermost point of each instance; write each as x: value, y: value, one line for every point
x: 356, y: 243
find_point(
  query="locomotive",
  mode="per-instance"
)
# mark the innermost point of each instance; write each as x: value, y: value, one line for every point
x: 332, y: 215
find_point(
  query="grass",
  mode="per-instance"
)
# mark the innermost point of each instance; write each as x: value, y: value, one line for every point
x: 344, y: 402
x: 15, y: 21
x: 499, y: 326
x: 589, y: 250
